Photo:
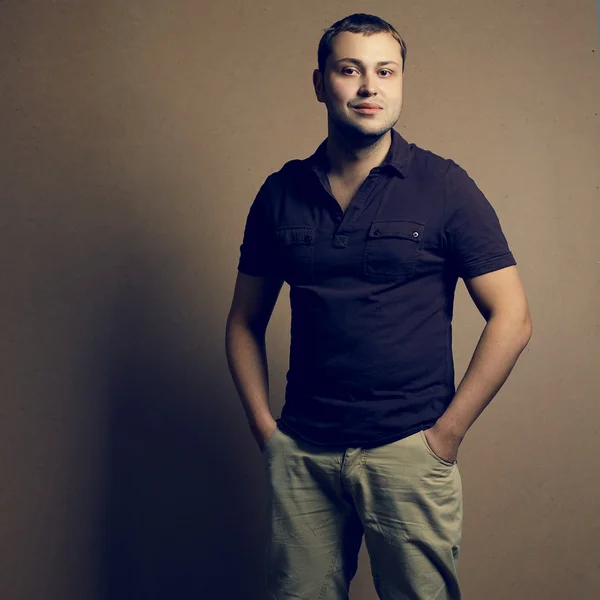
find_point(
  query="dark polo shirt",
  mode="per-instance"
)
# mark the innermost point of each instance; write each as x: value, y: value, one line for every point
x: 371, y: 289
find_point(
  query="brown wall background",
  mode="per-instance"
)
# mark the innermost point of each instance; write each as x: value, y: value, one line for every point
x: 134, y: 137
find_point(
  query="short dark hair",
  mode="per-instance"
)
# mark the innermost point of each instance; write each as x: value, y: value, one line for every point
x: 357, y: 23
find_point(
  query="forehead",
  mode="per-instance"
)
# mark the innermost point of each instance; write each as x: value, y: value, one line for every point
x: 367, y: 48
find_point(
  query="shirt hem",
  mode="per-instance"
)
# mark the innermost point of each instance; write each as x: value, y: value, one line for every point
x: 287, y: 429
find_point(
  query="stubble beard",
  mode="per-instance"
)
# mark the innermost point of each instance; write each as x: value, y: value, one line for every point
x: 355, y: 136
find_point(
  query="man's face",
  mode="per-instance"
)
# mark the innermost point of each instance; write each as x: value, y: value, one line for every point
x: 362, y: 69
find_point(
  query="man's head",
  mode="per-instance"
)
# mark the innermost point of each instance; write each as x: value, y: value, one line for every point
x: 361, y: 61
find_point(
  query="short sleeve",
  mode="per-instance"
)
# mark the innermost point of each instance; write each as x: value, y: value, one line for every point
x: 474, y: 237
x: 257, y: 252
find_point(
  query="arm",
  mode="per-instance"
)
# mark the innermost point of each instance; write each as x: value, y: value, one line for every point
x: 253, y: 302
x: 500, y: 298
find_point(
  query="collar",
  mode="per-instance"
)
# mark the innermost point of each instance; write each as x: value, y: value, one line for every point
x: 397, y: 158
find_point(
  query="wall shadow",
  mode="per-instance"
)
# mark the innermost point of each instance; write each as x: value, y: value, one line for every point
x: 184, y: 508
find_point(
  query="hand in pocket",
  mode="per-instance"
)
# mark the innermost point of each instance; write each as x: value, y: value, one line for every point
x: 263, y: 434
x: 444, y: 446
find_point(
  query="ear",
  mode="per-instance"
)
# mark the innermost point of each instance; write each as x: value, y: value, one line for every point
x: 318, y: 85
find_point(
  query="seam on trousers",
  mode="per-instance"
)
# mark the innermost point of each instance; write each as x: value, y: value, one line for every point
x: 442, y: 593
x: 328, y: 575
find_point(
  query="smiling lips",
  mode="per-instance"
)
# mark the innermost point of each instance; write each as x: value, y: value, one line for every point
x: 368, y: 105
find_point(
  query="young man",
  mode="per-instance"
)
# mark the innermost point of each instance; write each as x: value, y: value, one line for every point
x: 371, y: 234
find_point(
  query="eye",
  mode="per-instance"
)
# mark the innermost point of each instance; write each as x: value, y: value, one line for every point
x: 386, y: 70
x: 348, y: 69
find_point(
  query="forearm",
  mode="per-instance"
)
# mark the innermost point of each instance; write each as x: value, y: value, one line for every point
x: 502, y: 341
x: 247, y: 358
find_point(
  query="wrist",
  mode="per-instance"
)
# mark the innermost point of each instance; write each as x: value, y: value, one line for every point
x: 449, y: 429
x: 262, y: 422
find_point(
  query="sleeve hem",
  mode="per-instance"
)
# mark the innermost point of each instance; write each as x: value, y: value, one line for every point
x: 488, y: 265
x: 254, y: 272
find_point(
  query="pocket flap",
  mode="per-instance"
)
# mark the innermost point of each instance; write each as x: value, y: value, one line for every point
x: 409, y: 230
x: 295, y: 236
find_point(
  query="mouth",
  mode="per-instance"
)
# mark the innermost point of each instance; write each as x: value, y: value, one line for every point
x: 367, y: 109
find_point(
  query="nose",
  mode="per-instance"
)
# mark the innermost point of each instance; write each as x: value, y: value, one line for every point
x: 367, y: 86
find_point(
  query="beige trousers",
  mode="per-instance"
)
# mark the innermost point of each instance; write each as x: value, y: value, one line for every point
x: 404, y: 499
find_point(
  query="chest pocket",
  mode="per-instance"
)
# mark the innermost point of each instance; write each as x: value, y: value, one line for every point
x: 392, y: 250
x: 296, y: 246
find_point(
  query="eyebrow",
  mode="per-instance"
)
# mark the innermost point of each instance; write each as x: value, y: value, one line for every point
x: 358, y: 62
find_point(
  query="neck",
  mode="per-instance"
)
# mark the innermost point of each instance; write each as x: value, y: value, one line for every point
x: 350, y: 160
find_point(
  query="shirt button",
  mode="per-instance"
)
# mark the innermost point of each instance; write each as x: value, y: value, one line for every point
x: 308, y: 239
x: 415, y: 234
x: 377, y: 232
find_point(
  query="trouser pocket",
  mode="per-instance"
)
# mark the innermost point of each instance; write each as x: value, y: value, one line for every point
x: 269, y: 439
x: 441, y: 460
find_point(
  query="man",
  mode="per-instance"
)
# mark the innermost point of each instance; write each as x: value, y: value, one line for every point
x: 371, y: 234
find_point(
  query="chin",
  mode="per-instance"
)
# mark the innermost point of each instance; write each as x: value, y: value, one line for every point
x: 374, y: 131
x: 358, y: 131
